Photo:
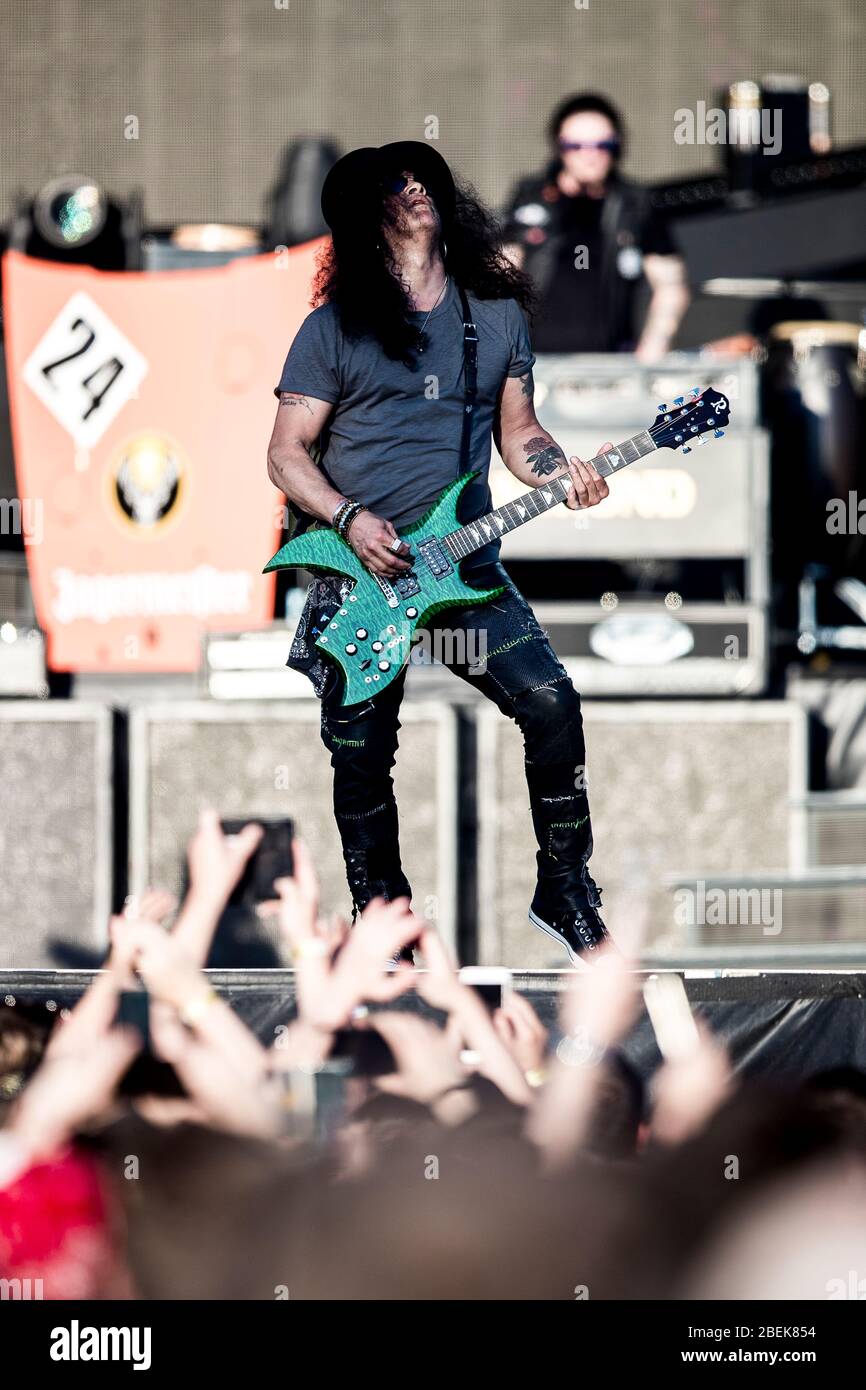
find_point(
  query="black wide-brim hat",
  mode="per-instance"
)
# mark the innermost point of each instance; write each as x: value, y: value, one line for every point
x: 354, y: 191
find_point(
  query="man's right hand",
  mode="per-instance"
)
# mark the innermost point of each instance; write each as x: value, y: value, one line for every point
x: 371, y: 538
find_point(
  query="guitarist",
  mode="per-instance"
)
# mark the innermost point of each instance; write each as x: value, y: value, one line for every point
x: 368, y: 432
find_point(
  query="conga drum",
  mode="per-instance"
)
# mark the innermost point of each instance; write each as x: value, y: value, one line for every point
x: 814, y: 404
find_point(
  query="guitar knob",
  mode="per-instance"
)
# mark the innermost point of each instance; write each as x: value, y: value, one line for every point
x: 384, y: 665
x: 687, y: 448
x: 351, y: 648
x: 377, y: 646
x: 361, y: 633
x: 411, y: 612
x: 718, y: 434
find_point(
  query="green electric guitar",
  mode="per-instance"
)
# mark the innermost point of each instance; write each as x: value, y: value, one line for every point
x: 370, y: 636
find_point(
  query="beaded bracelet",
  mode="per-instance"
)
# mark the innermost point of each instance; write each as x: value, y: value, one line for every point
x: 350, y: 518
x: 347, y: 518
x: 338, y: 512
x: 339, y: 518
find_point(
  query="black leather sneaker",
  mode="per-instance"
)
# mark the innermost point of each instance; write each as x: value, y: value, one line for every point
x: 578, y: 928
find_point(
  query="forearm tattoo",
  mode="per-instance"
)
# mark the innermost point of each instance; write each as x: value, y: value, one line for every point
x: 287, y: 399
x: 545, y: 455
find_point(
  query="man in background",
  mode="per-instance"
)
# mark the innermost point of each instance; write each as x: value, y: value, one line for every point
x: 588, y: 237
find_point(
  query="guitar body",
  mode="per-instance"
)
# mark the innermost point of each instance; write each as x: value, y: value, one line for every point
x: 370, y: 637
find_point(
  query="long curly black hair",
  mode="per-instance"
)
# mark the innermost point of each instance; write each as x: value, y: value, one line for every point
x: 356, y: 273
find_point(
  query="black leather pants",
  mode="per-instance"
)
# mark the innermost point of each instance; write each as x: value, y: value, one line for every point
x: 500, y: 649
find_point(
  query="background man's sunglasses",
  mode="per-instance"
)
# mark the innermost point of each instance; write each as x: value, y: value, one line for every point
x: 609, y: 146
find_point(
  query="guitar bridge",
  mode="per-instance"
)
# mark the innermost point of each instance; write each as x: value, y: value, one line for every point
x: 390, y: 597
x: 404, y: 586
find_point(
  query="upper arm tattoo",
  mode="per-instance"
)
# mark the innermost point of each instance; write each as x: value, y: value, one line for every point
x: 527, y: 385
x: 544, y: 455
x: 293, y: 398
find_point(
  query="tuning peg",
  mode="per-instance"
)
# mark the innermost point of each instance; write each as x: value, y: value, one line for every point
x: 718, y: 434
x: 661, y: 409
x: 702, y: 439
x: 696, y: 390
x: 687, y: 448
x: 678, y: 400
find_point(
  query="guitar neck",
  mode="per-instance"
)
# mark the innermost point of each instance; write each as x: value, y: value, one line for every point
x: 497, y: 523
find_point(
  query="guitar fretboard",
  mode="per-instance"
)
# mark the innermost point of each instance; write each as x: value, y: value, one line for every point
x: 497, y: 523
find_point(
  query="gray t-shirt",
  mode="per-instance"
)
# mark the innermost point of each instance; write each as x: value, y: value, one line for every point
x: 393, y: 441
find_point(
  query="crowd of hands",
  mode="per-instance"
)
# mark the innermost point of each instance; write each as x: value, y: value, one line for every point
x: 345, y: 978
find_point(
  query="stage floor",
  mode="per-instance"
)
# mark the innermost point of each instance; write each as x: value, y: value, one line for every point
x: 775, y: 1023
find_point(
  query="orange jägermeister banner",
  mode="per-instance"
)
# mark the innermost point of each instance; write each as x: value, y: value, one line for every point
x: 141, y: 407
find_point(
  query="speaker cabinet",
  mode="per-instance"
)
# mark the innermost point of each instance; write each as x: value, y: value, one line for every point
x: 675, y: 788
x: 833, y: 829
x: 815, y: 917
x: 56, y: 835
x: 256, y: 758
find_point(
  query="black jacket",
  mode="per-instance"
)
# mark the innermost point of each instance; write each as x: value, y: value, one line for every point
x: 534, y: 218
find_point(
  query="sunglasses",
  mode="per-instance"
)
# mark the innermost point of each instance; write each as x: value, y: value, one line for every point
x: 609, y: 146
x: 394, y: 183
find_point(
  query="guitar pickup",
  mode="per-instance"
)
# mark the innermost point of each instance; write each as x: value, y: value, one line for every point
x: 435, y: 558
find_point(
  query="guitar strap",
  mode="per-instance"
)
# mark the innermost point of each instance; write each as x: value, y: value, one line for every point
x: 470, y: 374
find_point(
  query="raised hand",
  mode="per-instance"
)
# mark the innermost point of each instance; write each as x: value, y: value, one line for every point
x: 338, y: 968
x: 687, y: 1089
x: 522, y: 1032
x: 427, y: 1057
x: 216, y: 860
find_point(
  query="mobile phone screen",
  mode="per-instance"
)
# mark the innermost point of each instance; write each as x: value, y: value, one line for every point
x: 366, y: 1049
x: 273, y: 859
x: 491, y: 995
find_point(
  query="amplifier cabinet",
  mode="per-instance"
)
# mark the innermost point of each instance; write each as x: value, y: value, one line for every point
x: 613, y: 393
x: 713, y: 648
x: 712, y: 504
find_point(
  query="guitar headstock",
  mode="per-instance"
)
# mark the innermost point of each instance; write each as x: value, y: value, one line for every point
x: 691, y: 419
